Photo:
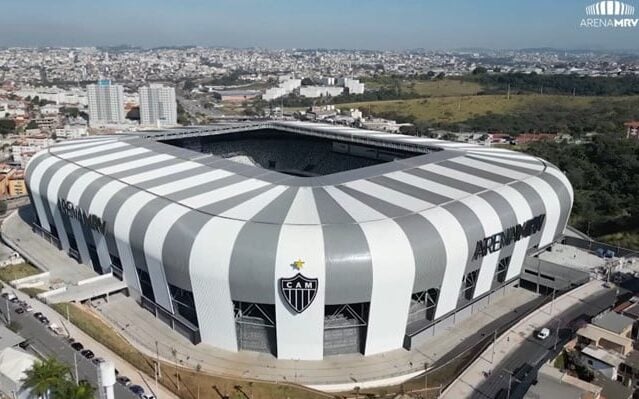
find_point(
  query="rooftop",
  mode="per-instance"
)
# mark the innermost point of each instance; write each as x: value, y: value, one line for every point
x: 614, y: 322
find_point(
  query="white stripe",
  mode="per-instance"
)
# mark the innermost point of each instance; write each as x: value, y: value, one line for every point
x: 222, y: 193
x: 74, y: 195
x: 537, y: 167
x: 155, y: 173
x: 487, y: 167
x: 461, y: 176
x: 186, y: 183
x: 209, y: 270
x: 112, y: 157
x: 134, y: 164
x: 389, y: 195
x: 491, y: 224
x: 93, y: 150
x: 552, y: 205
x: 393, y: 275
x: 53, y: 188
x: 38, y: 197
x: 79, y: 144
x: 523, y: 213
x: 429, y: 185
x: 456, y: 248
x: 304, y: 242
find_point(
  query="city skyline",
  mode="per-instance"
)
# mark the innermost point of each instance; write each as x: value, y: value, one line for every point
x: 375, y: 25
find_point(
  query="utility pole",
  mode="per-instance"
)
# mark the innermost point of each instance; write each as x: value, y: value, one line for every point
x: 508, y: 95
x: 8, y: 312
x: 552, y: 302
x: 557, y: 334
x: 157, y: 359
x: 75, y: 365
x: 426, y: 379
x: 492, y: 358
x: 510, y: 382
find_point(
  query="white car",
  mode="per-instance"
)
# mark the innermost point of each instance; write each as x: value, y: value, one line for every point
x: 543, y: 333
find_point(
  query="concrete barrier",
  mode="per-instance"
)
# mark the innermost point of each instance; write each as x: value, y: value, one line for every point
x: 94, y: 279
x: 47, y: 294
x: 29, y: 281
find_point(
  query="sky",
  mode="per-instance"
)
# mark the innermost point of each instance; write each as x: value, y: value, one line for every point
x: 347, y: 24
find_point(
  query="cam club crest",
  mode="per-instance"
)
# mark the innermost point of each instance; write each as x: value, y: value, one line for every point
x: 298, y: 291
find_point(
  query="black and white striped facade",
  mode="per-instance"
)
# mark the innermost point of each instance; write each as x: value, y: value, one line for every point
x: 207, y: 240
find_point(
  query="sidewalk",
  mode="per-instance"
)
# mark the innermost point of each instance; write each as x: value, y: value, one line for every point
x: 464, y: 386
x: 334, y: 374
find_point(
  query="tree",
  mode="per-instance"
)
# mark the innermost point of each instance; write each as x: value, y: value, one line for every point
x: 479, y: 70
x: 32, y: 125
x: 70, y: 390
x: 44, y: 377
x: 3, y: 207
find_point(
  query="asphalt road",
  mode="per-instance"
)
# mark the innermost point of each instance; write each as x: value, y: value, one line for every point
x: 45, y: 343
x: 529, y: 357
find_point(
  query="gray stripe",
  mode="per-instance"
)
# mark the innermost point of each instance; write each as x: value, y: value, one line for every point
x: 445, y: 180
x: 537, y: 207
x: 477, y: 172
x: 63, y: 192
x: 517, y: 168
x: 110, y: 213
x: 139, y: 227
x: 428, y: 249
x: 411, y: 190
x: 386, y: 208
x: 174, y: 177
x: 474, y: 231
x: 146, y: 168
x: 507, y: 218
x: 44, y: 186
x: 120, y: 161
x: 204, y: 188
x: 101, y: 153
x: 349, y: 269
x: 252, y: 264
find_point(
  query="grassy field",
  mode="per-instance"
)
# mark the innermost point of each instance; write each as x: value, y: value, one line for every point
x: 461, y: 108
x: 15, y: 272
x: 432, y: 88
x: 210, y: 387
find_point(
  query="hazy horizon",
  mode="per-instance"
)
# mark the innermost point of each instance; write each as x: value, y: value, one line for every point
x: 332, y: 24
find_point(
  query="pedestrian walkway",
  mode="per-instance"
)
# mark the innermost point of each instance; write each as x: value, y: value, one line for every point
x: 335, y: 373
x: 507, y: 343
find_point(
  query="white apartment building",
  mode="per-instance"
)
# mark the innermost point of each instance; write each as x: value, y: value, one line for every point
x: 353, y: 85
x: 319, y: 91
x: 158, y: 106
x: 106, y: 103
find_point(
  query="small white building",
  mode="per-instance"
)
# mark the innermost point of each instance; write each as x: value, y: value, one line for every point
x: 606, y: 362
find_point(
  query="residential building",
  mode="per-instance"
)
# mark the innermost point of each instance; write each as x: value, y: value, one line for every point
x: 353, y: 85
x: 158, y: 106
x: 106, y: 103
x: 632, y: 130
x: 320, y: 91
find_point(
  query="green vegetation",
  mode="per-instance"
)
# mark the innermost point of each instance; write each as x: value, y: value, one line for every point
x: 51, y: 379
x: 14, y: 272
x: 210, y: 387
x: 557, y: 84
x: 605, y: 178
x: 560, y: 361
x: 522, y: 113
x: 7, y: 126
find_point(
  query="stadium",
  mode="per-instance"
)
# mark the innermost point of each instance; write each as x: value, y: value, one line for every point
x: 301, y: 240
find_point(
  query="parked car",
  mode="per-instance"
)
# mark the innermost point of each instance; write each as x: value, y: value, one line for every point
x: 44, y: 320
x: 543, y: 333
x: 88, y: 353
x: 37, y: 315
x: 77, y: 346
x: 149, y: 396
x: 28, y: 308
x: 14, y: 300
x: 124, y: 380
x: 24, y: 344
x: 136, y: 389
x: 97, y: 360
x: 57, y: 330
x: 19, y: 310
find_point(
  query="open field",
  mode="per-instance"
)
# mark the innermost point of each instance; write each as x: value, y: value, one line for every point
x: 461, y: 108
x: 192, y: 384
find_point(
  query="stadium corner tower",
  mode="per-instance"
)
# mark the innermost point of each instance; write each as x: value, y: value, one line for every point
x: 302, y: 240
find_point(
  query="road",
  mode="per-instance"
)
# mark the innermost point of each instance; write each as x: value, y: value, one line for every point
x: 45, y: 343
x: 524, y: 362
